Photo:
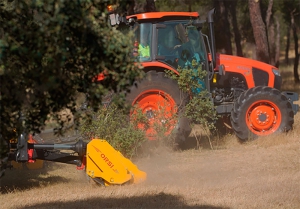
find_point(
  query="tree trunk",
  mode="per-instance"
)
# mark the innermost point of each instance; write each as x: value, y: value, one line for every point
x: 296, y: 61
x: 272, y: 42
x: 259, y: 31
x: 150, y: 6
x: 190, y: 6
x: 269, y: 13
x: 127, y: 7
x: 287, y: 47
x: 225, y: 27
x: 277, y: 43
x: 273, y: 34
x: 236, y: 31
x: 270, y: 26
x: 131, y: 6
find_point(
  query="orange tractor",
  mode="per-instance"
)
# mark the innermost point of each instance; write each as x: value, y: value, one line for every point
x: 245, y: 91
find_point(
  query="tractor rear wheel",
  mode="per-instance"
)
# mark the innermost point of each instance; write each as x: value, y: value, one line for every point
x: 162, y: 102
x: 261, y: 111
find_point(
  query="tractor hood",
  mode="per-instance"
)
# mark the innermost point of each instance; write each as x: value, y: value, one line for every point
x: 255, y: 72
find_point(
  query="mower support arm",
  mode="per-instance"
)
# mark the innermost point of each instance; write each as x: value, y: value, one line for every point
x: 49, y: 152
x: 99, y: 159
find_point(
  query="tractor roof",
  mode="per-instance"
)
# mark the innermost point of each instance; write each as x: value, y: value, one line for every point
x: 164, y: 15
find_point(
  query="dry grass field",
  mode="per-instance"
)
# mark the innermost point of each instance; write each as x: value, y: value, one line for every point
x: 263, y: 174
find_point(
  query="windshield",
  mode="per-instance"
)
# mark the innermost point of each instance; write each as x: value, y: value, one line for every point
x: 143, y: 41
x: 180, y: 44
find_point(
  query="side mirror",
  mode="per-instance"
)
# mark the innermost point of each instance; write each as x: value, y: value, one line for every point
x: 114, y: 19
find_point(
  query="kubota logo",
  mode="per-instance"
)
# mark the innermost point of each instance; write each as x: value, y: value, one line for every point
x: 106, y: 160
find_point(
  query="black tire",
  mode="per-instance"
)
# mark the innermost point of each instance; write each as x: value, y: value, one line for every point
x: 157, y: 81
x: 261, y: 111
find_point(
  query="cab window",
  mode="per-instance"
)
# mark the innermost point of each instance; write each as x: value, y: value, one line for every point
x: 180, y: 44
x: 143, y: 41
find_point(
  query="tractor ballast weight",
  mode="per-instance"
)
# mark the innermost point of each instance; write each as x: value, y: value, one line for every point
x: 246, y: 93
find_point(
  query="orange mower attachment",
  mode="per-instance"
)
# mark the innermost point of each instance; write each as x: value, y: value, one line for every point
x: 101, y: 162
x: 107, y: 166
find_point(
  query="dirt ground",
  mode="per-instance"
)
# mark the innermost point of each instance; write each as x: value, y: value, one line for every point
x: 264, y: 173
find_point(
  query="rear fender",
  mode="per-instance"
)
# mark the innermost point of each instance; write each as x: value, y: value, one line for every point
x: 157, y: 65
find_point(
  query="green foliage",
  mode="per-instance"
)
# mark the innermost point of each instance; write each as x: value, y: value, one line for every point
x: 200, y: 108
x: 288, y: 8
x: 113, y: 125
x: 181, y: 5
x: 50, y: 51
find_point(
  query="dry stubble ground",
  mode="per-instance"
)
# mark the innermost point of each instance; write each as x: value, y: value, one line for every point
x: 261, y: 174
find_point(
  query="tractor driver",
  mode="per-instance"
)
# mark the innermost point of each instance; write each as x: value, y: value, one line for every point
x: 196, y: 47
x: 144, y: 49
x: 167, y: 44
x: 191, y: 48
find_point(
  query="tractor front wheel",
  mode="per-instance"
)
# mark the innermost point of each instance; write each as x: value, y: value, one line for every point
x: 162, y: 102
x: 261, y: 111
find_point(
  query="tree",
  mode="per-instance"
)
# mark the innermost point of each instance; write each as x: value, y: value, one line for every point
x: 51, y: 51
x: 237, y: 35
x: 150, y: 6
x: 296, y: 61
x: 291, y: 11
x: 287, y: 46
x: 259, y: 31
x: 130, y: 7
x: 271, y: 32
x: 222, y: 26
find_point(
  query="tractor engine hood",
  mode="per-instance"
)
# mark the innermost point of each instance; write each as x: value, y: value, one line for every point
x: 255, y: 72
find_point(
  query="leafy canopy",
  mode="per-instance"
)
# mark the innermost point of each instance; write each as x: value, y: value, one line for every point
x: 50, y: 51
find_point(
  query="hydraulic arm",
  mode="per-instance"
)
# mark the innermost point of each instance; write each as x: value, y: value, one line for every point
x: 98, y: 158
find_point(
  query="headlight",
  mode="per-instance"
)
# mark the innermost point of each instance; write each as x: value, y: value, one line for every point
x: 276, y: 72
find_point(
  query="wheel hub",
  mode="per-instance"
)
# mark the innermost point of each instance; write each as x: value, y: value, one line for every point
x: 149, y: 114
x: 262, y: 118
x: 159, y: 108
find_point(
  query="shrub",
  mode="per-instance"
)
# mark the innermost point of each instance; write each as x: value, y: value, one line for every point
x: 113, y: 124
x: 200, y: 108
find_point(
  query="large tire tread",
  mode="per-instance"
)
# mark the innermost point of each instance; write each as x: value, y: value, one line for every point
x: 158, y: 80
x: 252, y: 95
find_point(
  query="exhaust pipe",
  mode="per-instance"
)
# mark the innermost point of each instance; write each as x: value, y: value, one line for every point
x: 212, y: 35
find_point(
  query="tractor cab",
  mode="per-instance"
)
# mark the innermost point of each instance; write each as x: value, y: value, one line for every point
x: 172, y: 44
x: 172, y: 38
x: 175, y: 43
